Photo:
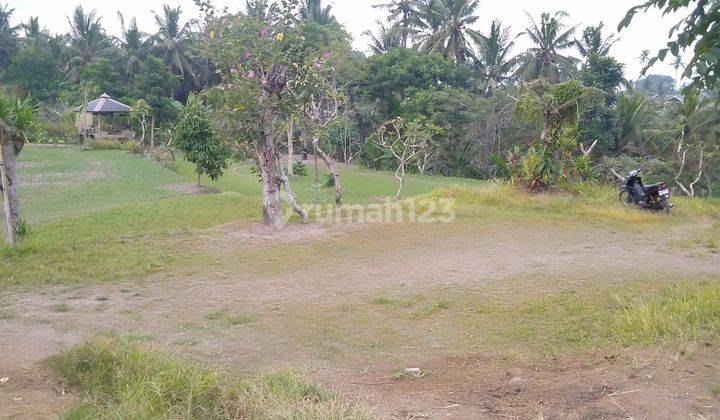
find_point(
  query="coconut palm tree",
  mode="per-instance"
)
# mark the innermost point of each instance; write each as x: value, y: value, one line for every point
x: 677, y: 64
x: 8, y: 35
x: 313, y: 11
x: 173, y: 43
x: 446, y: 25
x: 386, y: 38
x: 493, y: 60
x: 402, y: 13
x: 87, y: 41
x: 134, y: 44
x: 592, y: 41
x: 34, y: 35
x: 644, y: 57
x: 551, y: 37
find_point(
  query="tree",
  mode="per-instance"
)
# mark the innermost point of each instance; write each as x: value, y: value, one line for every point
x: 656, y: 84
x: 545, y: 60
x: 699, y: 30
x: 173, y: 42
x: 141, y: 111
x: 598, y: 119
x: 254, y: 57
x: 101, y: 77
x: 313, y: 11
x: 155, y: 83
x: 386, y: 39
x: 409, y: 142
x: 493, y: 61
x: 35, y: 72
x: 402, y: 14
x: 550, y: 160
x: 593, y: 42
x: 134, y: 45
x: 195, y: 137
x: 87, y: 41
x: 453, y: 38
x: 644, y: 57
x: 16, y: 117
x: 8, y: 36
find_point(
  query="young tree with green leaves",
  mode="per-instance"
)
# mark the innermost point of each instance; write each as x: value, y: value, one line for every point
x: 141, y: 111
x: 195, y: 137
x: 16, y: 117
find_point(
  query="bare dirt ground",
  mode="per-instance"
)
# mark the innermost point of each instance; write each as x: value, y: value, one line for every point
x: 241, y: 311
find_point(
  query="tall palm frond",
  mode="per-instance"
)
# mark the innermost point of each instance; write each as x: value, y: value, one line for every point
x: 313, y: 11
x: 8, y: 35
x: 134, y: 44
x: 87, y: 40
x: 493, y: 60
x: 592, y: 41
x: 446, y: 27
x: 402, y: 13
x: 173, y: 42
x: 545, y: 60
x: 386, y: 38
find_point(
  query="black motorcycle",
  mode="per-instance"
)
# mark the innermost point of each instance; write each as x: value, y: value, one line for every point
x: 649, y: 197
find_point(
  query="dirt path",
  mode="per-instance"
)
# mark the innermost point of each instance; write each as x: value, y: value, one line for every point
x: 314, y: 267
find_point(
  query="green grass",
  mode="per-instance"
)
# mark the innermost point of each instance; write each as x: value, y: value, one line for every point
x: 117, y: 379
x: 61, y: 181
x: 124, y: 241
x: 360, y: 185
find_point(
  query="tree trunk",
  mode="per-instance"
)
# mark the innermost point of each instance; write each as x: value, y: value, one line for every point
x: 291, y: 152
x: 198, y: 179
x: 400, y: 176
x: 152, y: 132
x: 11, y: 200
x: 332, y: 168
x: 269, y: 169
x: 292, y: 199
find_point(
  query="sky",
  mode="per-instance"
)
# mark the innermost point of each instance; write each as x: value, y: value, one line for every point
x: 648, y: 31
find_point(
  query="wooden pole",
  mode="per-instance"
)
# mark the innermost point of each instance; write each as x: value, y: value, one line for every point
x: 152, y: 131
x: 6, y: 200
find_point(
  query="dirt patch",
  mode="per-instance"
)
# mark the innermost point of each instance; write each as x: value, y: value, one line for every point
x: 193, y: 189
x: 30, y: 393
x: 266, y: 274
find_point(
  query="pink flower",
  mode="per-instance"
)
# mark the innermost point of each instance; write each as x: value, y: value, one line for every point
x: 233, y: 70
x: 248, y: 54
x: 264, y: 32
x: 327, y: 55
x: 251, y: 74
x: 317, y: 65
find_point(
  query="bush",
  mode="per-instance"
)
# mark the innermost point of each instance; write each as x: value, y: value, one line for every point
x: 300, y: 169
x: 118, y: 379
x: 110, y: 144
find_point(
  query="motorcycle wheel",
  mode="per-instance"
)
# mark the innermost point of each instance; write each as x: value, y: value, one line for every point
x: 625, y: 198
x: 666, y: 205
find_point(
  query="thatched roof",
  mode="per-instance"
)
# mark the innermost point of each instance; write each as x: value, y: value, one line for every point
x: 104, y: 104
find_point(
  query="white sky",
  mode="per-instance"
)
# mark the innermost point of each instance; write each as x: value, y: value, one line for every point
x: 648, y: 31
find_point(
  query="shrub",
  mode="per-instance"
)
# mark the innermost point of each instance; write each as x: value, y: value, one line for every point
x: 111, y: 144
x: 300, y: 169
x: 119, y: 379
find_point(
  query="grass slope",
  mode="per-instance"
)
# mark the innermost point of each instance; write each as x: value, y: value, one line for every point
x: 61, y: 181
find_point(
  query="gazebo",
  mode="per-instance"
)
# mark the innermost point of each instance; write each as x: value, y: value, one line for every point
x: 104, y: 118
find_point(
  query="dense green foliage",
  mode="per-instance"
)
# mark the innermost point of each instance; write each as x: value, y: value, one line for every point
x: 428, y: 61
x: 194, y: 136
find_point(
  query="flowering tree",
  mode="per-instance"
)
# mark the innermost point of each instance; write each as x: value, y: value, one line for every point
x: 257, y: 60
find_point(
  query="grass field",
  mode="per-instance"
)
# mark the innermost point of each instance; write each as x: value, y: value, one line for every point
x: 564, y: 298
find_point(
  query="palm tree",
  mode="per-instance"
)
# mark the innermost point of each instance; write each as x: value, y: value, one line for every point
x: 8, y: 36
x: 174, y: 43
x: 545, y: 60
x: 592, y: 41
x: 386, y: 38
x: 313, y: 11
x: 644, y: 57
x: 87, y: 41
x: 493, y: 61
x: 676, y: 64
x: 447, y: 28
x: 261, y: 10
x: 134, y: 44
x: 402, y: 13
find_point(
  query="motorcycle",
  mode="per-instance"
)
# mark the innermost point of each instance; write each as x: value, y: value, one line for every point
x: 653, y: 197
